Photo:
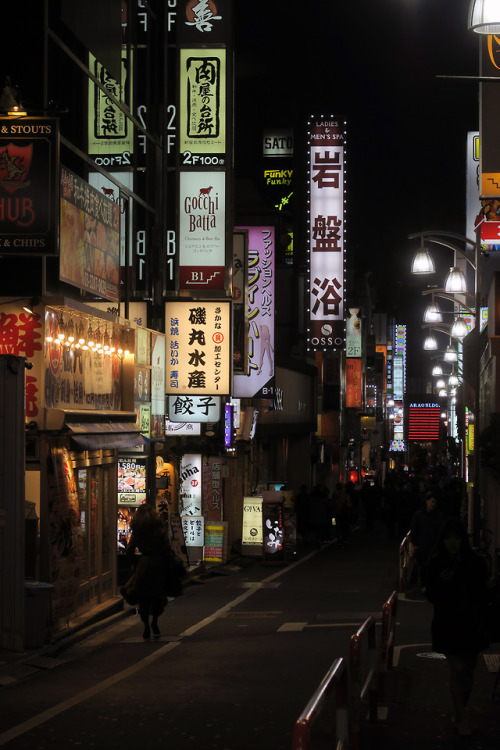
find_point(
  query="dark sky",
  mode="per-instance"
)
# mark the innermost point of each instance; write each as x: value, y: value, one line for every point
x: 376, y: 63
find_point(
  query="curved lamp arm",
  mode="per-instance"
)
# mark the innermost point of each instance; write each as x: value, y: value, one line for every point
x: 439, y: 238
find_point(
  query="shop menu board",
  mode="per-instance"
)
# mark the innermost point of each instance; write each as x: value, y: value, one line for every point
x: 131, y: 481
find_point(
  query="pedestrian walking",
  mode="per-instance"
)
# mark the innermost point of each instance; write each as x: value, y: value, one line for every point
x: 148, y: 585
x: 341, y: 508
x: 456, y: 584
x: 424, y: 529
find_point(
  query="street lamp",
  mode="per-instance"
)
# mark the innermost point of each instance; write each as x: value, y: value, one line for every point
x: 456, y: 291
x: 484, y: 17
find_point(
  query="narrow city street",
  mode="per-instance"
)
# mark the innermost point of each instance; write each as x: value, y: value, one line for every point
x: 240, y: 655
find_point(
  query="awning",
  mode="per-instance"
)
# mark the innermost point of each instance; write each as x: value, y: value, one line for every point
x: 106, y: 435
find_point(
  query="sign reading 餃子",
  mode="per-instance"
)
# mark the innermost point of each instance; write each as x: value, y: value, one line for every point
x: 202, y: 132
x: 194, y: 408
x: 198, y: 336
x: 326, y: 140
x: 29, y: 186
x: 89, y: 238
x: 202, y: 215
x: 259, y: 380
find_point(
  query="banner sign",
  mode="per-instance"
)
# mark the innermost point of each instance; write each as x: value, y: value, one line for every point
x: 353, y: 333
x: 353, y: 390
x: 21, y: 334
x: 259, y: 381
x: 89, y: 238
x: 202, y: 134
x: 198, y: 336
x: 202, y: 214
x: 29, y: 186
x: 326, y: 234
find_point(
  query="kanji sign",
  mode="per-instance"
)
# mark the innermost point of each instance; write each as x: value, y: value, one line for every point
x: 198, y: 361
x: 326, y: 234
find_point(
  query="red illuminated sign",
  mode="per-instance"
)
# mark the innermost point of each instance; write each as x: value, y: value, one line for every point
x: 423, y: 421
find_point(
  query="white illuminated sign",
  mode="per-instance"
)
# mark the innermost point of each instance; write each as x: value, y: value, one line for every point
x: 190, y: 484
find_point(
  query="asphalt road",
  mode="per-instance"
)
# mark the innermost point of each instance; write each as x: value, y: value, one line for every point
x: 239, y: 657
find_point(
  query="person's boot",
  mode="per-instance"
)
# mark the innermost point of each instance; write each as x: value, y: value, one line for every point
x: 147, y: 633
x: 154, y: 627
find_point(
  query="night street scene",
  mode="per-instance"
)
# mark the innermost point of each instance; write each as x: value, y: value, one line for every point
x: 249, y: 418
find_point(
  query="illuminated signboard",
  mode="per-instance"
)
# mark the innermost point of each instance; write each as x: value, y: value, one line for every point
x: 182, y: 428
x: 353, y: 392
x: 252, y: 522
x: 198, y: 336
x: 29, y: 186
x: 423, y: 421
x: 110, y: 132
x: 193, y: 528
x: 353, y: 333
x: 190, y: 484
x: 326, y: 234
x: 89, y: 238
x: 489, y: 114
x: 202, y: 253
x: 194, y: 408
x: 277, y: 143
x: 259, y: 381
x: 131, y: 481
x: 228, y: 427
x: 202, y: 132
x: 158, y: 384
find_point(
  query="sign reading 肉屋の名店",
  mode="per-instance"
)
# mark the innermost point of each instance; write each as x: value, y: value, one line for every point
x: 29, y: 186
x: 203, y: 111
x: 198, y: 361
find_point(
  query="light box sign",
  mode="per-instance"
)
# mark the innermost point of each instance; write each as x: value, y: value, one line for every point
x: 326, y: 234
x: 202, y: 131
x: 278, y: 142
x: 191, y: 484
x: 157, y: 385
x: 89, y: 238
x: 259, y: 381
x: 182, y: 428
x: 194, y: 409
x: 213, y: 488
x: 353, y: 391
x: 198, y: 348
x: 353, y: 333
x: 193, y: 528
x: 252, y: 522
x: 29, y: 186
x: 131, y: 481
x: 202, y: 215
x: 423, y: 421
x: 204, y: 21
x: 110, y: 132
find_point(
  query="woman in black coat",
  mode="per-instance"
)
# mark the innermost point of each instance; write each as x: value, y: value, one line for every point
x: 150, y: 538
x: 456, y: 579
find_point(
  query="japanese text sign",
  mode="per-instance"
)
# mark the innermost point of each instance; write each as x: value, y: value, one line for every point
x: 260, y: 311
x: 326, y: 234
x: 198, y: 361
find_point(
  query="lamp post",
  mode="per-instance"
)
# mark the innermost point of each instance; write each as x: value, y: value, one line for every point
x: 453, y: 290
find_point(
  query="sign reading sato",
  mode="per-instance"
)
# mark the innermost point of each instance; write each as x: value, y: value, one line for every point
x: 29, y: 158
x: 326, y: 234
x: 89, y: 238
x: 423, y: 421
x: 198, y: 348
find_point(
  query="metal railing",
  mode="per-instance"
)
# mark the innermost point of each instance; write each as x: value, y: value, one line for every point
x: 404, y: 562
x: 335, y: 681
x: 387, y: 637
x: 363, y: 675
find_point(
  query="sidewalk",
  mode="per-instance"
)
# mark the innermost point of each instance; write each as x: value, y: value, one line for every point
x: 418, y: 709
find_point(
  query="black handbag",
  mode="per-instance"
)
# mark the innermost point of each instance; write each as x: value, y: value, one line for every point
x: 174, y: 573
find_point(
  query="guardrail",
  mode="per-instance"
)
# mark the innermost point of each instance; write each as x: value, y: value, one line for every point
x: 359, y: 670
x: 404, y: 562
x: 387, y: 637
x: 365, y: 684
x: 335, y: 681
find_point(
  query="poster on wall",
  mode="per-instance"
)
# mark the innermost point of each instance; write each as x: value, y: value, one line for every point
x: 89, y: 238
x: 131, y: 480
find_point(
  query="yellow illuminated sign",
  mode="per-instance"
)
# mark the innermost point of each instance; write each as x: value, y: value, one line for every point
x: 202, y: 128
